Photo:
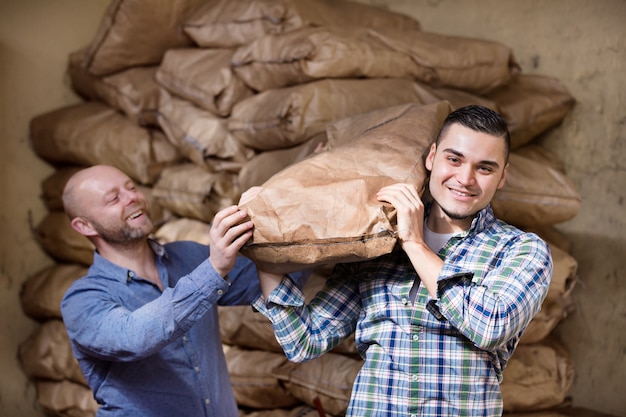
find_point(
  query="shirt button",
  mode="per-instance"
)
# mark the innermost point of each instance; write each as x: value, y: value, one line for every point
x: 415, y: 337
x: 207, y: 401
x: 220, y: 292
x: 197, y: 369
x: 185, y: 339
x: 405, y: 301
x: 413, y: 377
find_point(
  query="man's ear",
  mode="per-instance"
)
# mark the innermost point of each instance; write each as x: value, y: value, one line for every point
x: 83, y: 226
x: 428, y: 162
x: 503, y: 178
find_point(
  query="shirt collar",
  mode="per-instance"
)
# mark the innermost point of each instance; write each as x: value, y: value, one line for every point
x: 103, y: 266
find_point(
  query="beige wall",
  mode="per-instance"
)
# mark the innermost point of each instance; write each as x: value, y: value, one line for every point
x: 35, y: 39
x: 581, y: 42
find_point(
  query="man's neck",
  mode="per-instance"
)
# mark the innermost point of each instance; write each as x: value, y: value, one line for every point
x: 440, y: 222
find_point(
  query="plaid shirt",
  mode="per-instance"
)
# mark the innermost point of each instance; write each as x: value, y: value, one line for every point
x: 441, y: 357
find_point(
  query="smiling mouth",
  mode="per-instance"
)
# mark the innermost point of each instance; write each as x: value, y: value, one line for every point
x: 460, y: 193
x: 135, y: 215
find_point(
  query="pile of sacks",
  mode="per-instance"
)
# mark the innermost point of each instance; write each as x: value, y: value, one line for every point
x: 198, y: 100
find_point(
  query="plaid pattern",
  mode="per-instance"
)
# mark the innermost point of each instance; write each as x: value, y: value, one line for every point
x: 493, y: 282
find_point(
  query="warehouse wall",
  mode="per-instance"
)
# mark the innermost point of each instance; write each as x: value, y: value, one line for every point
x: 35, y: 39
x: 581, y: 43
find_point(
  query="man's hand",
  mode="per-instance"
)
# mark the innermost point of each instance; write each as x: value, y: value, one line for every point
x: 410, y: 211
x: 228, y: 233
x: 410, y: 208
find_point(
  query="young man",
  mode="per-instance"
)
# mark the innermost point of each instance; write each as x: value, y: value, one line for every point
x: 143, y: 323
x: 437, y: 319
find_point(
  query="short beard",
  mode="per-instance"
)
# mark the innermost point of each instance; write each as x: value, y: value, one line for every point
x: 455, y: 216
x: 124, y: 236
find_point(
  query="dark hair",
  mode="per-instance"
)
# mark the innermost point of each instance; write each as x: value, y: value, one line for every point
x: 480, y: 119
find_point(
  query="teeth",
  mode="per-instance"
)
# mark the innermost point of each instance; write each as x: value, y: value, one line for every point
x: 135, y: 215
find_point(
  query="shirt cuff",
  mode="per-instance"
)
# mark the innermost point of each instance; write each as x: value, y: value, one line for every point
x: 286, y: 293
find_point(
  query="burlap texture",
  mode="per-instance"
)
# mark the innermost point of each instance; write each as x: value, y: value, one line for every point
x: 188, y: 190
x: 324, y: 209
x: 47, y: 354
x: 201, y: 136
x: 531, y: 105
x: 183, y: 229
x: 55, y: 236
x: 538, y: 376
x: 312, y: 53
x: 252, y: 380
x: 469, y: 64
x: 136, y: 33
x: 91, y: 133
x: 134, y: 91
x: 535, y: 194
x: 203, y: 77
x: 264, y: 165
x: 227, y: 23
x: 286, y: 117
x: 41, y: 293
x: 328, y: 378
x: 66, y: 398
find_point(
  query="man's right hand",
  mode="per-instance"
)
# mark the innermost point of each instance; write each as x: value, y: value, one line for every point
x: 228, y: 233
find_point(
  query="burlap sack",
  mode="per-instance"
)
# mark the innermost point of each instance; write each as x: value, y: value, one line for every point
x: 41, y: 293
x: 283, y: 59
x: 66, y: 399
x: 324, y: 209
x: 252, y: 380
x: 201, y: 136
x: 135, y: 33
x: 183, y: 229
x: 93, y: 133
x: 564, y: 273
x: 188, y: 190
x: 55, y: 236
x: 227, y: 23
x: 551, y: 234
x: 537, y: 377
x: 204, y: 77
x: 313, y: 53
x: 552, y: 313
x: 328, y: 378
x: 264, y: 165
x: 535, y: 194
x: 52, y: 186
x: 531, y: 105
x: 286, y: 117
x: 298, y: 411
x: 475, y: 65
x: 133, y: 91
x: 47, y: 354
x: 541, y: 154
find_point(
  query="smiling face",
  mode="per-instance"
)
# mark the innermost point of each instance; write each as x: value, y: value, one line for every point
x: 466, y: 167
x: 106, y: 205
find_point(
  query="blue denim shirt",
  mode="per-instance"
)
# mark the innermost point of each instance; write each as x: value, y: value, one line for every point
x: 147, y: 353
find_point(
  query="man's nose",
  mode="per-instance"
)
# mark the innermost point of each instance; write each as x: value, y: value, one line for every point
x: 466, y: 175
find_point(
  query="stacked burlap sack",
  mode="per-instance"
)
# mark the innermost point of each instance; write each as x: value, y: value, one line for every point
x: 322, y: 103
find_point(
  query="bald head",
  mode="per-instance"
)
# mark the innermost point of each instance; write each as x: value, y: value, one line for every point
x: 86, y: 184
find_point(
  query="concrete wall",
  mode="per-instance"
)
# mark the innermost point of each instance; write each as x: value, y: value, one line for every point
x: 580, y: 42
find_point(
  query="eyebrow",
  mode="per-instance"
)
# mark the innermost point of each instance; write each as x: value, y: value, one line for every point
x: 460, y: 155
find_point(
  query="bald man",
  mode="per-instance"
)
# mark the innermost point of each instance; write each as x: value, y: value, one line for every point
x: 143, y: 322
